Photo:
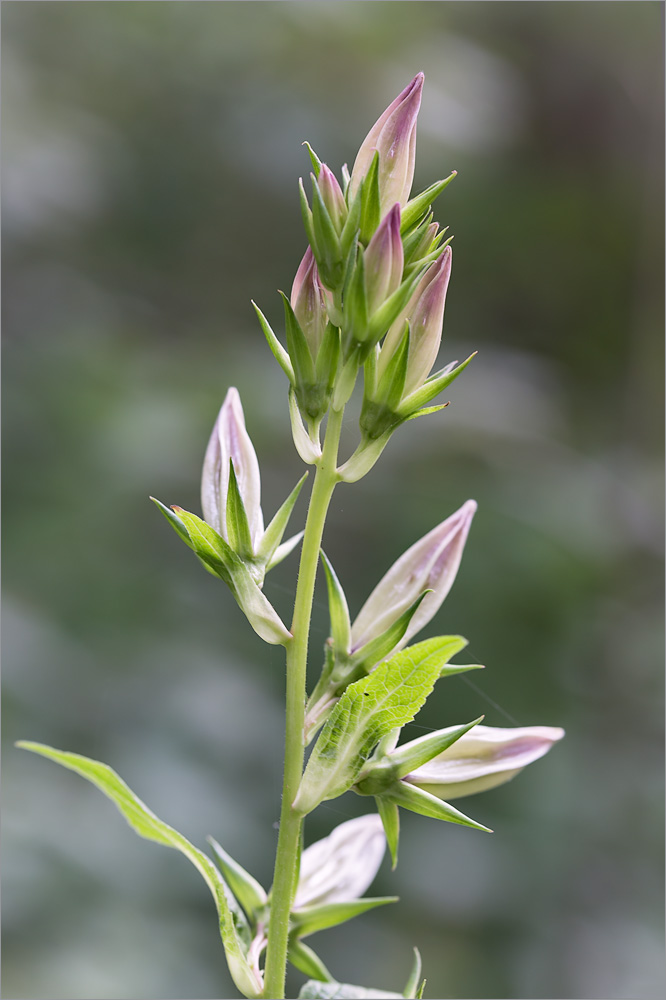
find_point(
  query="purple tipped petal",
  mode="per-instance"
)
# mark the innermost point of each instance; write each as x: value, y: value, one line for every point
x: 332, y: 196
x: 426, y: 324
x: 308, y: 302
x: 384, y: 261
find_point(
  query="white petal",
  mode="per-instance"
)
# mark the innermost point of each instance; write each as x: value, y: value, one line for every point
x: 341, y: 866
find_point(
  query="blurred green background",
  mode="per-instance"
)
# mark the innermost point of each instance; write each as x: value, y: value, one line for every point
x: 151, y: 154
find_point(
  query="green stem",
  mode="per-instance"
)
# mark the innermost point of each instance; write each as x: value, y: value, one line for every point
x: 284, y: 881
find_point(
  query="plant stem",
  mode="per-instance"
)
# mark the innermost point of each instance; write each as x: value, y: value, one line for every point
x: 284, y: 880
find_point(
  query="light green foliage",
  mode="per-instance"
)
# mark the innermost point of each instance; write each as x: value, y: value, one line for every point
x: 391, y: 696
x: 147, y: 825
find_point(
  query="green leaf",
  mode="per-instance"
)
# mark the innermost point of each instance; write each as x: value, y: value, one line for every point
x: 412, y: 987
x: 249, y: 893
x: 273, y: 534
x: 174, y: 521
x: 307, y: 962
x: 415, y: 208
x: 368, y: 656
x: 276, y: 347
x: 216, y: 553
x: 432, y: 387
x: 238, y: 525
x: 147, y: 825
x: 370, y: 204
x: 310, y: 919
x: 314, y: 159
x: 390, y: 696
x: 419, y: 801
x: 314, y: 990
x: 306, y: 212
x: 390, y: 817
x: 338, y: 609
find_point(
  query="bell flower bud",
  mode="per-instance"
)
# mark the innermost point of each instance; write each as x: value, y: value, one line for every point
x: 481, y: 759
x: 231, y: 442
x: 430, y: 564
x: 394, y: 135
x: 384, y: 261
x: 425, y: 313
x: 332, y: 196
x: 340, y: 867
x: 309, y: 303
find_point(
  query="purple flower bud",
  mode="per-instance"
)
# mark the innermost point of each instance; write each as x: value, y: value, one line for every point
x: 425, y: 312
x: 481, y: 759
x: 394, y: 135
x: 332, y: 196
x: 308, y: 302
x: 430, y: 564
x: 384, y: 261
x: 340, y: 867
x: 231, y: 442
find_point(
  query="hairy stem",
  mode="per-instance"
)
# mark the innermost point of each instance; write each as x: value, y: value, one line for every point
x: 284, y: 881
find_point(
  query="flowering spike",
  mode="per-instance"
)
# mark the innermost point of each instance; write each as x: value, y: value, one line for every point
x: 230, y: 441
x: 394, y: 136
x: 430, y: 564
x: 384, y: 261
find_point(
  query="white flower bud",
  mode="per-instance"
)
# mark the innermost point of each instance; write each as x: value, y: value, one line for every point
x: 340, y: 867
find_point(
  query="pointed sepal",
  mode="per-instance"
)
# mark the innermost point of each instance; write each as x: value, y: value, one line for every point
x: 416, y: 800
x: 390, y: 817
x: 338, y: 609
x: 276, y: 347
x: 411, y: 991
x: 272, y: 536
x: 307, y: 961
x: 310, y: 919
x: 249, y: 893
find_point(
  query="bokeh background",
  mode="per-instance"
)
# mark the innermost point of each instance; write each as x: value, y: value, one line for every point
x: 151, y: 154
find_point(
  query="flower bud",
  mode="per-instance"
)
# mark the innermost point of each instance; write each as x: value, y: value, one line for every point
x: 394, y: 135
x: 425, y: 313
x: 340, y: 867
x: 481, y: 759
x: 231, y: 442
x: 332, y: 196
x: 308, y: 302
x: 430, y: 564
x: 384, y: 261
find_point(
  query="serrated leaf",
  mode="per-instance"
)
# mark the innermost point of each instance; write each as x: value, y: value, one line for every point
x: 412, y: 987
x: 249, y: 893
x: 276, y: 347
x: 338, y: 609
x: 307, y: 961
x: 419, y: 205
x: 390, y: 817
x: 144, y: 822
x: 419, y: 801
x: 390, y: 696
x: 238, y: 525
x: 216, y: 553
x: 272, y: 536
x: 314, y: 990
x: 310, y: 919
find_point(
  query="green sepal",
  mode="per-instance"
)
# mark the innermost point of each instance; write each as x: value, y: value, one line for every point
x: 306, y: 212
x: 355, y: 304
x: 364, y: 458
x: 276, y: 347
x: 426, y: 411
x: 368, y: 656
x: 451, y: 669
x: 297, y: 346
x: 273, y: 534
x: 411, y: 990
x: 370, y: 204
x: 419, y: 205
x: 419, y: 801
x: 390, y: 817
x: 283, y: 550
x: 405, y: 761
x: 225, y: 563
x: 327, y: 248
x: 428, y: 259
x: 310, y: 919
x: 379, y: 411
x: 369, y: 709
x: 238, y: 525
x: 328, y: 356
x: 431, y: 388
x: 338, y: 609
x: 314, y: 990
x: 307, y: 961
x: 392, y: 307
x: 147, y: 825
x: 314, y: 159
x: 175, y: 523
x: 249, y: 893
x: 352, y: 225
x: 412, y: 244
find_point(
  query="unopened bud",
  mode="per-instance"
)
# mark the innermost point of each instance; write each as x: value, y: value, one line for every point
x: 230, y: 441
x: 430, y: 564
x: 308, y: 302
x: 332, y: 196
x: 394, y: 136
x: 384, y: 261
x: 340, y: 867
